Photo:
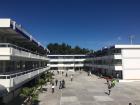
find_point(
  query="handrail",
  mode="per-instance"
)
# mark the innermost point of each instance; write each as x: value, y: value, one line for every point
x: 112, y: 55
x: 17, y: 26
x: 19, y: 73
x: 17, y: 47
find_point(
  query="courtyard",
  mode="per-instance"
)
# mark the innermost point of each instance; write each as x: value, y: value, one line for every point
x: 90, y: 90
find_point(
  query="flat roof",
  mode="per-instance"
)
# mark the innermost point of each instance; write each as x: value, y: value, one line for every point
x: 68, y: 55
x: 127, y: 46
x: 15, y: 32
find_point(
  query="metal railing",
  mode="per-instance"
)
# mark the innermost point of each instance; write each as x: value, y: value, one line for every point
x: 12, y: 75
x: 17, y: 47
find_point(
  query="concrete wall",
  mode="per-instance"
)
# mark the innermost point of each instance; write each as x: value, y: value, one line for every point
x: 5, y: 22
x: 131, y: 63
x: 11, y: 95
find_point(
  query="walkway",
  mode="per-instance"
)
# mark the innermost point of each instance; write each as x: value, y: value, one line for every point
x: 90, y: 90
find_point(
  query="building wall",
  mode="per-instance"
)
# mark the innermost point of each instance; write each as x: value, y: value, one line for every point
x: 22, y: 58
x: 131, y: 63
x: 66, y: 62
x: 126, y: 62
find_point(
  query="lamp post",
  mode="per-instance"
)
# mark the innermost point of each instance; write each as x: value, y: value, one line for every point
x: 74, y: 62
x: 131, y: 37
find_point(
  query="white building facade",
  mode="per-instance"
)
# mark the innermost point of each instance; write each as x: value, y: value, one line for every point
x: 22, y: 58
x: 67, y: 62
x: 121, y: 60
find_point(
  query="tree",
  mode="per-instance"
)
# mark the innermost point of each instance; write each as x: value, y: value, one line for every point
x: 66, y: 49
x: 30, y: 94
x: 41, y: 82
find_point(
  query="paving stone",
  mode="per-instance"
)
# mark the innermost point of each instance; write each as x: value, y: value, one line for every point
x: 85, y: 98
x: 69, y: 99
x: 70, y: 103
x: 102, y: 98
x: 86, y: 90
x: 88, y: 103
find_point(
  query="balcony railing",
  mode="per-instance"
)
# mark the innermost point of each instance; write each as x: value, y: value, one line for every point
x: 17, y: 47
x: 19, y: 51
x: 12, y: 75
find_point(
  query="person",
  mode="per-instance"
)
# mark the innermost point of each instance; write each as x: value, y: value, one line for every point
x: 71, y: 77
x: 130, y: 103
x: 62, y: 72
x: 109, y: 87
x: 63, y: 83
x: 56, y: 81
x: 53, y: 88
x: 60, y: 85
x: 113, y: 83
x: 57, y: 72
x: 107, y: 80
x: 88, y: 73
x: 117, y: 75
x: 66, y: 75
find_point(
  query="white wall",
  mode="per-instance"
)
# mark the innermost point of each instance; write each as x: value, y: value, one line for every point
x: 5, y: 22
x: 66, y: 60
x: 5, y: 54
x: 131, y: 74
x: 131, y: 63
x: 128, y: 53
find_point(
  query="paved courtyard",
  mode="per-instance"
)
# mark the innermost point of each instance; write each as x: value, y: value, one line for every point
x: 91, y: 90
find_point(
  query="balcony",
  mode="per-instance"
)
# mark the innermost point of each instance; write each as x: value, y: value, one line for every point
x: 11, y: 81
x: 115, y: 56
x: 66, y: 65
x: 10, y: 51
x: 109, y: 67
x: 66, y: 60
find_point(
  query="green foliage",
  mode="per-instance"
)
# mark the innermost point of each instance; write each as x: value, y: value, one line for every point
x: 44, y: 78
x: 25, y: 92
x: 63, y: 48
x: 49, y: 76
x: 30, y: 94
x: 41, y: 82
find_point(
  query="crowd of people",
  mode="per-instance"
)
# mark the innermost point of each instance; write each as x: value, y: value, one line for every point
x: 61, y: 83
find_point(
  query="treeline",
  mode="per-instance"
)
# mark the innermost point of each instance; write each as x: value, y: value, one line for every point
x: 64, y: 48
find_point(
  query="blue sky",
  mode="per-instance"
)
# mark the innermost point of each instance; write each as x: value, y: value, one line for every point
x: 88, y: 23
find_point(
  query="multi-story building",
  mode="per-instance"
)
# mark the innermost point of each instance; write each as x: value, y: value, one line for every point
x: 22, y: 58
x: 119, y: 60
x: 67, y: 62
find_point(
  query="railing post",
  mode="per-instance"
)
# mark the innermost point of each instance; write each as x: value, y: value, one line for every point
x: 14, y: 25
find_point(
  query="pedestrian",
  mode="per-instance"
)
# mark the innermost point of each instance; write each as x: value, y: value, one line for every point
x: 109, y: 88
x: 57, y: 72
x: 107, y: 80
x: 60, y: 85
x: 117, y: 75
x: 63, y: 83
x: 88, y: 73
x: 66, y: 75
x: 113, y: 82
x: 56, y: 81
x: 62, y: 72
x: 71, y: 77
x: 53, y: 88
x: 130, y: 103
